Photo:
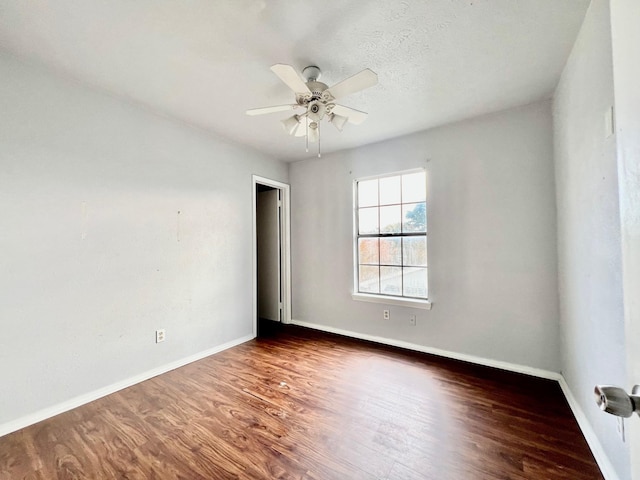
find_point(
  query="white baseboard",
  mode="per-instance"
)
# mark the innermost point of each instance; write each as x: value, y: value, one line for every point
x: 80, y: 400
x: 590, y: 436
x: 511, y: 367
x: 592, y: 440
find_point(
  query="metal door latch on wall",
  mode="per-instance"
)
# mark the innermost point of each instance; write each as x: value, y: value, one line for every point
x: 616, y: 401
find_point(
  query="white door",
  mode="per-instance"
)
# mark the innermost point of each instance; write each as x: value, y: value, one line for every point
x: 269, y: 254
x: 625, y: 18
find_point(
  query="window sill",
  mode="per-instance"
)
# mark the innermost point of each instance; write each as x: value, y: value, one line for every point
x: 402, y: 302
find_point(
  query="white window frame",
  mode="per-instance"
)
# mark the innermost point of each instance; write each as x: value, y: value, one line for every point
x: 373, y: 297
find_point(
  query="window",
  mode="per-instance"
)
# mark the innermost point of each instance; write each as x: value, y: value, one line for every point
x: 391, y: 236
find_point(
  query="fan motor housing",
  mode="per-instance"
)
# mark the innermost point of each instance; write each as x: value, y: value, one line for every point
x: 317, y: 93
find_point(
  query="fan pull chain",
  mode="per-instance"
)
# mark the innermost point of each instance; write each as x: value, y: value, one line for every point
x: 319, y: 140
x: 306, y: 122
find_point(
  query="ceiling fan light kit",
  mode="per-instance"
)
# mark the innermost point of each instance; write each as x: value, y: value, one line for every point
x: 318, y: 101
x: 291, y: 124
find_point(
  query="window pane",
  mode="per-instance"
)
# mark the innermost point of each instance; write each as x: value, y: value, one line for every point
x: 414, y: 282
x: 368, y: 220
x: 414, y: 251
x: 414, y: 217
x: 389, y: 190
x: 414, y: 187
x: 390, y: 219
x: 368, y: 193
x: 368, y: 279
x: 391, y: 280
x: 391, y: 251
x: 368, y: 251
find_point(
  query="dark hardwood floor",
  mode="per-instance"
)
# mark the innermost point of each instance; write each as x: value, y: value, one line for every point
x: 300, y: 404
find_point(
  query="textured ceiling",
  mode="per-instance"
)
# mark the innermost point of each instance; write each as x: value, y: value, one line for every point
x: 206, y: 61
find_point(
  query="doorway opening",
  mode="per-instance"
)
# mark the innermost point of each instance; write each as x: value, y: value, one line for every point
x: 271, y: 265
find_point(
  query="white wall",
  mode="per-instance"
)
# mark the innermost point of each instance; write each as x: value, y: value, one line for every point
x: 492, y: 238
x: 94, y: 256
x: 591, y: 303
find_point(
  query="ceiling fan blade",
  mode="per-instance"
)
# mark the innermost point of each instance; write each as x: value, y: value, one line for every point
x: 290, y: 77
x: 277, y: 108
x: 364, y: 79
x: 354, y: 116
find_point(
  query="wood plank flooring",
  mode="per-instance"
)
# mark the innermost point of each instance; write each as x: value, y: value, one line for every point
x: 307, y: 405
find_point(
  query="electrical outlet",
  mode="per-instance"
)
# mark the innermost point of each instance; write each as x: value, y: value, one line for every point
x: 620, y: 428
x: 385, y: 314
x: 412, y: 320
x: 160, y: 334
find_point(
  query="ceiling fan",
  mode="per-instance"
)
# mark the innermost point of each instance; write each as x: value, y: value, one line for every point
x: 317, y: 100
